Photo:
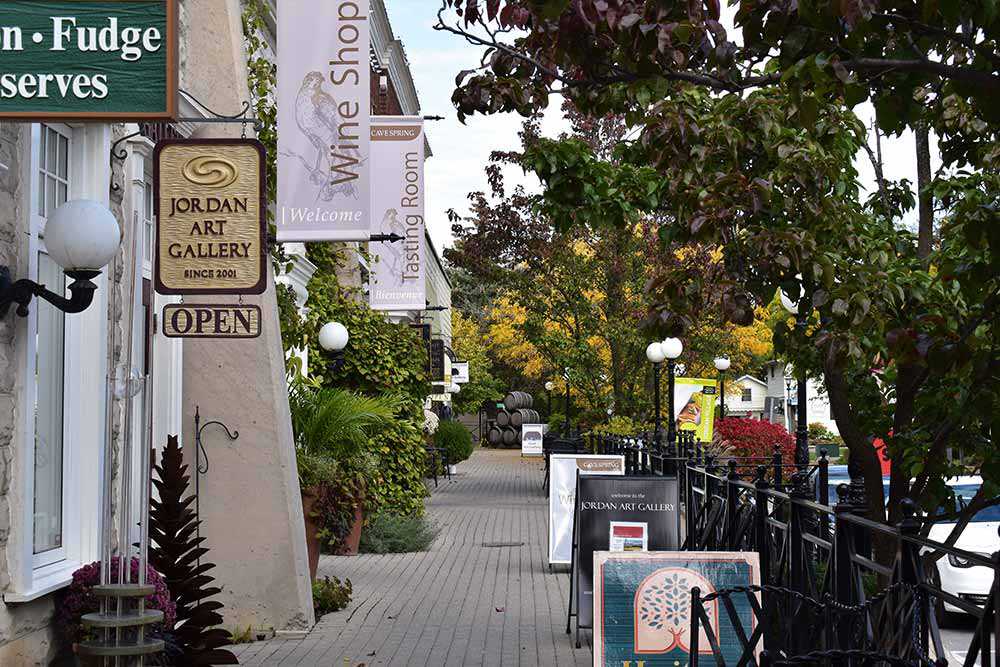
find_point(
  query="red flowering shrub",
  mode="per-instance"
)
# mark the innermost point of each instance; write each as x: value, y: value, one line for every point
x: 79, y: 598
x: 753, y: 437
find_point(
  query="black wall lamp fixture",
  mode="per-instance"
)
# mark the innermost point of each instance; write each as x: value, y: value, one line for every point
x: 81, y: 236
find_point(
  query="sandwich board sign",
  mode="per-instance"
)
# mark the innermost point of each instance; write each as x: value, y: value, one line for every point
x: 604, y: 501
x: 562, y: 496
x: 532, y: 438
x: 642, y: 606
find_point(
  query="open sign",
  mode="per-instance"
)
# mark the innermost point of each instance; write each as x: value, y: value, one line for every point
x: 203, y: 320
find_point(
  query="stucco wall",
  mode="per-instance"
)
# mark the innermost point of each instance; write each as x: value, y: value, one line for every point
x: 250, y: 503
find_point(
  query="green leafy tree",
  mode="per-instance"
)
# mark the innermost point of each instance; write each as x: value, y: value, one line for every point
x: 747, y: 144
x: 469, y: 344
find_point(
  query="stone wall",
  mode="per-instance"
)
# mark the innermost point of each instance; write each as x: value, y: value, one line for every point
x: 25, y: 632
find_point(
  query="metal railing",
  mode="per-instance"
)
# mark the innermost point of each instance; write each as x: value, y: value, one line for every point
x: 836, y: 586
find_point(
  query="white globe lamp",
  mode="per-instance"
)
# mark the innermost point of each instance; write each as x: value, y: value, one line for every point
x: 654, y: 352
x: 333, y: 337
x: 82, y: 235
x: 672, y: 348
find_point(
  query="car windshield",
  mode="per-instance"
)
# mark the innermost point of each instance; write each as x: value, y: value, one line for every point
x: 964, y: 493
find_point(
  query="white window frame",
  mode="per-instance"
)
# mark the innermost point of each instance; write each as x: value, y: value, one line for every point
x: 84, y: 370
x: 52, y: 557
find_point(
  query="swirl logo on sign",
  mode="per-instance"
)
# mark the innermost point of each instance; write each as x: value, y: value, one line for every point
x: 213, y: 172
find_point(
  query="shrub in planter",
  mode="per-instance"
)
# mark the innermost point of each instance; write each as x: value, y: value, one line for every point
x: 391, y: 534
x: 455, y: 440
x: 79, y: 599
x: 753, y: 437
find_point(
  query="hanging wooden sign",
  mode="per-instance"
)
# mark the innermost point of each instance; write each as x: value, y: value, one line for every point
x: 211, y: 320
x: 210, y: 216
x: 101, y: 60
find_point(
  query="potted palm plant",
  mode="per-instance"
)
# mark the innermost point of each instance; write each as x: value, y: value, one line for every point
x: 333, y: 429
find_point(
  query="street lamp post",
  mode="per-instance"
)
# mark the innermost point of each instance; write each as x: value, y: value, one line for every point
x: 802, y: 425
x: 654, y: 353
x: 549, y: 386
x: 722, y: 365
x: 566, y: 419
x: 672, y: 348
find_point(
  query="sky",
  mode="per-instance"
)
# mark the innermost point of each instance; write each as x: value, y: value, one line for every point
x: 461, y: 152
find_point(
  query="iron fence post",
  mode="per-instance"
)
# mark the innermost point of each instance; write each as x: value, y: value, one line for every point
x: 762, y: 543
x: 776, y: 463
x: 843, y: 566
x: 761, y: 538
x: 732, y: 498
x: 689, y: 518
x: 823, y: 481
x: 695, y: 625
x: 796, y: 550
x: 911, y: 572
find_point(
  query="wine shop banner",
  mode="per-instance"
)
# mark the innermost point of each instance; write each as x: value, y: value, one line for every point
x: 397, y: 278
x: 88, y: 59
x: 562, y: 496
x: 694, y: 406
x: 324, y: 107
x: 642, y: 606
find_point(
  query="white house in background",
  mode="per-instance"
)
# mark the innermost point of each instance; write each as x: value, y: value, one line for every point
x: 745, y: 397
x: 776, y: 398
x: 817, y: 408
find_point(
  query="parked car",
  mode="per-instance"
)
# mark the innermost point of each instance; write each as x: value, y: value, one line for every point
x: 958, y: 576
x: 954, y: 575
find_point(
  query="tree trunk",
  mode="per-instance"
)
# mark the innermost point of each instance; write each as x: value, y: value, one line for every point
x: 925, y: 198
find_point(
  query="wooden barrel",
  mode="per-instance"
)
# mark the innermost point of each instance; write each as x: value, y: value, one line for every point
x: 511, y: 436
x: 516, y: 400
x: 494, y: 436
x: 523, y: 416
x: 503, y: 418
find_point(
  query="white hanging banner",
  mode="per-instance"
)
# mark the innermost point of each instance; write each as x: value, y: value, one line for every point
x: 324, y: 107
x: 397, y: 277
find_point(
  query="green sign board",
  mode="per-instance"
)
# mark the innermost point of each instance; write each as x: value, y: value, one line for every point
x: 88, y: 59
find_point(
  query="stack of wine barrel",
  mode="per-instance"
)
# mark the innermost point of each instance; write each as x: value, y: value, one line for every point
x: 505, y: 430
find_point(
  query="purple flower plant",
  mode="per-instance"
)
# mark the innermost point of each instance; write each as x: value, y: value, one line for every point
x: 79, y: 598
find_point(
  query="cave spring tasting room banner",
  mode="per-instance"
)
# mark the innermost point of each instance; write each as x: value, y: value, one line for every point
x: 398, y: 207
x: 324, y: 110
x: 88, y: 60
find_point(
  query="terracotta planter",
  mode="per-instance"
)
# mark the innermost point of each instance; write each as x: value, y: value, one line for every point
x: 352, y: 541
x: 312, y: 531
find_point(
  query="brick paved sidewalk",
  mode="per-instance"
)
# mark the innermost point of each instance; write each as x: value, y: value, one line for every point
x: 461, y: 602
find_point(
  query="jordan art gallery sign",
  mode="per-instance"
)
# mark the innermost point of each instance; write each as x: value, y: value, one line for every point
x: 210, y: 216
x: 88, y: 60
x: 324, y: 107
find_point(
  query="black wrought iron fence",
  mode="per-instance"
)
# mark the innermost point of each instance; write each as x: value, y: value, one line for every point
x: 871, y: 588
x: 837, y: 587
